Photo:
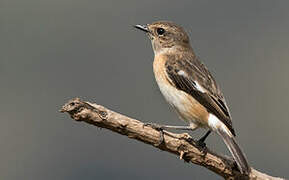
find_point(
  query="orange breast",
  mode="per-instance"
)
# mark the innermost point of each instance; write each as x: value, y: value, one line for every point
x: 189, y: 109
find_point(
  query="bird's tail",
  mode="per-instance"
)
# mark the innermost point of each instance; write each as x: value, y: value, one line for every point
x: 235, y: 150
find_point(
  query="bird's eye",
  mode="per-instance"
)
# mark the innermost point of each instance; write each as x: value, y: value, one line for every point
x: 160, y: 31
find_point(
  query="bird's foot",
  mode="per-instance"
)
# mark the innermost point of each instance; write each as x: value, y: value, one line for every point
x: 202, y: 146
x: 186, y: 137
x: 201, y: 142
x: 158, y: 128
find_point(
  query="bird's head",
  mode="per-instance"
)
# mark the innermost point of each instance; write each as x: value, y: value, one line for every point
x: 166, y: 36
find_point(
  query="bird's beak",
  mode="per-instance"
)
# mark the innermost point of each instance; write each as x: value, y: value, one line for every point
x: 142, y: 27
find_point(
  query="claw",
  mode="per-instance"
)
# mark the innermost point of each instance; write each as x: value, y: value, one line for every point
x: 158, y: 128
x: 186, y: 137
x: 202, y: 146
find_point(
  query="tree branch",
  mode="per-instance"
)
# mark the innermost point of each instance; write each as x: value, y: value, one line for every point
x: 179, y: 144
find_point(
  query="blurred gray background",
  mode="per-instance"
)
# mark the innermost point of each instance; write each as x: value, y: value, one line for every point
x: 51, y: 51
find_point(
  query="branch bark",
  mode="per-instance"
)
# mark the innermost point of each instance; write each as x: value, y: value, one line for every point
x: 181, y: 145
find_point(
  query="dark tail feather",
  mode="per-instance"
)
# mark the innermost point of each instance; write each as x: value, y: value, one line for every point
x: 236, y: 152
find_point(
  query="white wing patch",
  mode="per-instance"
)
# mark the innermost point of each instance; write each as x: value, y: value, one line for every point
x: 182, y: 73
x: 196, y: 84
x: 200, y: 88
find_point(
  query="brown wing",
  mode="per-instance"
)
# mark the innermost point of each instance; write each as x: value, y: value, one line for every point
x: 192, y: 77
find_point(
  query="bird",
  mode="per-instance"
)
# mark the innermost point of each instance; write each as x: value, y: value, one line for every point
x: 190, y: 88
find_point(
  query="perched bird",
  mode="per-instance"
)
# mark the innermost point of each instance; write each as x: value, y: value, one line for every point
x: 189, y: 87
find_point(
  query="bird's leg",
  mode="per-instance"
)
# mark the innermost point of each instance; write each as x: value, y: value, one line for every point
x: 166, y: 127
x: 201, y: 141
x: 160, y: 128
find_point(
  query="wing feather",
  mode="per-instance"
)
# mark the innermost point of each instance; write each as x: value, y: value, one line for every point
x: 196, y: 80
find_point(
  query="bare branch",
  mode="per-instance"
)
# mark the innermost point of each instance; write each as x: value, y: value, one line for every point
x: 179, y: 144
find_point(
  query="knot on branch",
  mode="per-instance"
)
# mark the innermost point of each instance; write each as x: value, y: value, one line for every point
x: 77, y: 109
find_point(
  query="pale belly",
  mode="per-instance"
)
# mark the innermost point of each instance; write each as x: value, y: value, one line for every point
x: 187, y: 108
x: 185, y: 105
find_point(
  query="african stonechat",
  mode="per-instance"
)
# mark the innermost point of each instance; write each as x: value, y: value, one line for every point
x: 189, y: 87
